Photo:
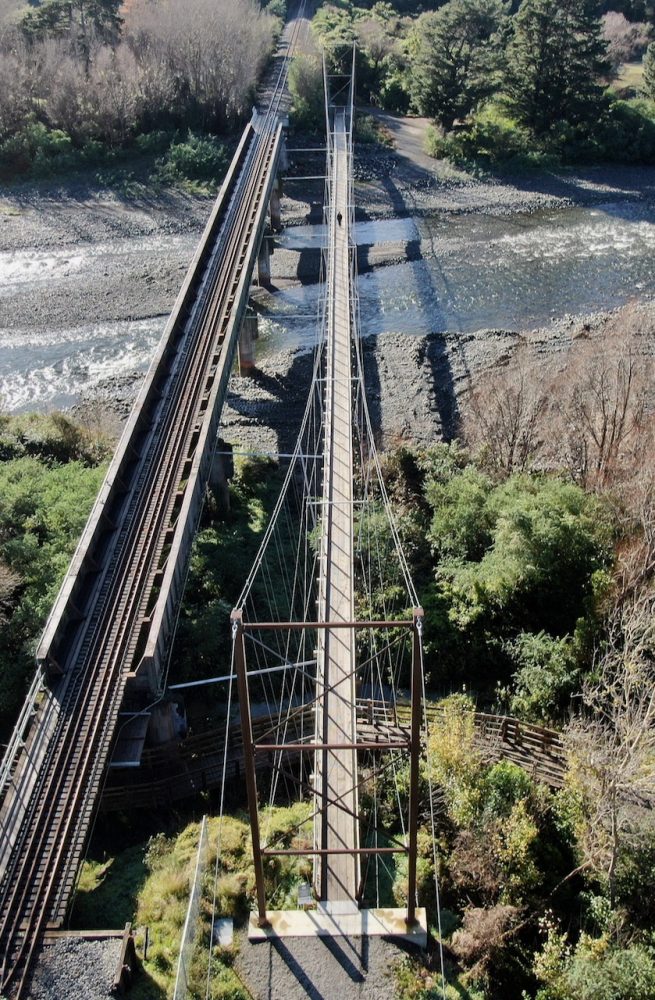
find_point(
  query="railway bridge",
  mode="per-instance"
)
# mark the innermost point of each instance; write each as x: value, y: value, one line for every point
x: 109, y: 634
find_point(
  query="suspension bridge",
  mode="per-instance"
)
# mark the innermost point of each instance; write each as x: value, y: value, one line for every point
x: 343, y: 619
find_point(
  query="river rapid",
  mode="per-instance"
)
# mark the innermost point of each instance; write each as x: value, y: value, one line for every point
x: 454, y: 273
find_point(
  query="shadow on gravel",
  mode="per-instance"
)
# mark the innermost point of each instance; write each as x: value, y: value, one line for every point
x: 436, y: 353
x: 615, y: 184
x: 295, y: 968
x: 284, y: 406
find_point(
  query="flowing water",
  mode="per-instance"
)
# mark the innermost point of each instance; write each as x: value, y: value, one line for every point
x: 477, y: 272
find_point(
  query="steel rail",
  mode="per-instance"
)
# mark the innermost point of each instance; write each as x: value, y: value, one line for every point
x: 64, y: 791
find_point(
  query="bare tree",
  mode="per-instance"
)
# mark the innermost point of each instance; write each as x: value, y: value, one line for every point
x: 603, y: 413
x: 611, y: 744
x: 626, y: 40
x: 503, y: 419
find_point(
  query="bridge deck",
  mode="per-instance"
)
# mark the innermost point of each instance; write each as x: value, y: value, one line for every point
x: 337, y: 769
x: 116, y: 610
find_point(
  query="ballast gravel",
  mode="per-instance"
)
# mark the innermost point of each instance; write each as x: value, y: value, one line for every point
x: 76, y: 969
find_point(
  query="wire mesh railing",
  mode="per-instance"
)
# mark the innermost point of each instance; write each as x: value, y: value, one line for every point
x: 182, y: 980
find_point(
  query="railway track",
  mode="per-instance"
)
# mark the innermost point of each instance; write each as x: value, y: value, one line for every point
x: 77, y: 724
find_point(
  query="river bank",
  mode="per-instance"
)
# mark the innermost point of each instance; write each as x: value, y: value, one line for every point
x: 90, y: 275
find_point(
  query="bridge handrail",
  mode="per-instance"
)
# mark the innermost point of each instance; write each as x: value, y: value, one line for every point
x: 85, y: 548
x: 17, y: 740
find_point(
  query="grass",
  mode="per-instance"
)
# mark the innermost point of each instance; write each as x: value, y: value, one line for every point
x: 631, y: 76
x: 148, y: 885
x: 108, y: 890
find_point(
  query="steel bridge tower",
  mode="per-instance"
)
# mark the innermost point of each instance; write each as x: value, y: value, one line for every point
x: 337, y: 848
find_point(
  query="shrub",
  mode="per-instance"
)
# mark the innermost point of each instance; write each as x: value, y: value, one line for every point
x: 625, y: 133
x: 595, y: 970
x: 38, y: 149
x: 277, y: 7
x: 504, y: 785
x: 491, y: 138
x: 306, y: 87
x: 197, y: 158
x: 546, y: 677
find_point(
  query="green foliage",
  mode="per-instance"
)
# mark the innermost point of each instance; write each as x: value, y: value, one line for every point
x: 149, y: 885
x: 514, y: 557
x: 594, y: 970
x: 546, y: 677
x: 334, y: 29
x: 49, y: 478
x: 635, y: 883
x: 503, y: 786
x: 197, y: 158
x: 82, y: 19
x: 223, y: 546
x: 554, y: 62
x: 649, y: 71
x: 625, y: 133
x: 492, y: 138
x: 453, y: 762
x: 456, y: 58
x: 306, y: 88
x: 278, y: 8
x: 38, y: 149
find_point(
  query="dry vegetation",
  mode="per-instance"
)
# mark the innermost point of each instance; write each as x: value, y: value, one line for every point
x: 588, y: 413
x: 86, y: 85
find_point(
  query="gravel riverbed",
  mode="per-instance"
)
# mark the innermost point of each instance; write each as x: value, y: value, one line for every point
x: 80, y: 259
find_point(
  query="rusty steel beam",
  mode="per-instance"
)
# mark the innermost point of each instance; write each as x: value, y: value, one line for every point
x: 291, y: 852
x: 414, y: 765
x: 381, y: 745
x: 249, y: 760
x: 272, y: 626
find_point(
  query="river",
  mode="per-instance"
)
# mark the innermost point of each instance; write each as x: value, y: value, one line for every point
x: 477, y: 271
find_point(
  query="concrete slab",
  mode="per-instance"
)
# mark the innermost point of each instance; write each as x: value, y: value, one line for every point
x: 318, y: 923
x: 224, y: 932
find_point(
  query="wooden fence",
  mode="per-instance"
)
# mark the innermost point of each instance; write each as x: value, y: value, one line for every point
x: 187, y: 767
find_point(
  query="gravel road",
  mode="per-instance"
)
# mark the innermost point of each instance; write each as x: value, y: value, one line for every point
x: 319, y: 968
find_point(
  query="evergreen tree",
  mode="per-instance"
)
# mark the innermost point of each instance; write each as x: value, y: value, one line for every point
x: 554, y: 63
x: 79, y: 20
x: 456, y: 58
x: 649, y: 71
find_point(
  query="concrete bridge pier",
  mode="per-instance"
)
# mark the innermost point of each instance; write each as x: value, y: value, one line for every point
x: 222, y: 470
x: 276, y: 213
x: 284, y: 156
x: 247, y: 337
x: 264, y: 264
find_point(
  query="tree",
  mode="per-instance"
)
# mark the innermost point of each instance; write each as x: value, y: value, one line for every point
x: 626, y: 40
x: 611, y: 745
x: 504, y: 418
x: 604, y: 415
x: 554, y: 63
x: 456, y: 59
x: 82, y: 21
x: 306, y: 87
x: 649, y: 71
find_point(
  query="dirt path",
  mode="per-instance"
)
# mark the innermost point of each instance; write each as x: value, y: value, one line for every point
x: 408, y: 134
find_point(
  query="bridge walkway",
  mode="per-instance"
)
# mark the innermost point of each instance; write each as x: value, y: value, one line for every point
x: 337, y: 768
